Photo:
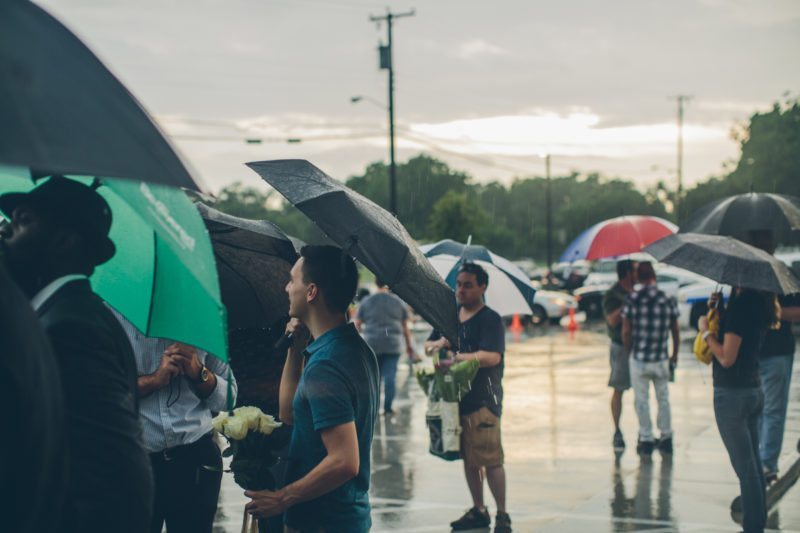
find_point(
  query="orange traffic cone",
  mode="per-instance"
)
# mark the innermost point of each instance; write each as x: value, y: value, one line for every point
x: 572, y: 324
x: 516, y: 327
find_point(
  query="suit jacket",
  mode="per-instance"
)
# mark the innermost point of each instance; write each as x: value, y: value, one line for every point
x: 32, y: 452
x: 110, y: 485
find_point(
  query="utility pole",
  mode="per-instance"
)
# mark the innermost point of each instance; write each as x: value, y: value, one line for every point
x: 549, y: 212
x: 386, y: 63
x: 681, y: 98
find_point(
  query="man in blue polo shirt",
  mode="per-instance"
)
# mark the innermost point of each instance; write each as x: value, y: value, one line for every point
x: 329, y: 394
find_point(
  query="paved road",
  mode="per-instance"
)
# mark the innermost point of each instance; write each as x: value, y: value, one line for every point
x: 562, y: 473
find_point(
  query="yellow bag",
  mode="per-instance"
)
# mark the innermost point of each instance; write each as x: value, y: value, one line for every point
x: 701, y: 350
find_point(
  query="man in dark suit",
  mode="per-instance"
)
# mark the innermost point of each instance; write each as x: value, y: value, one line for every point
x: 57, y: 235
x: 32, y: 463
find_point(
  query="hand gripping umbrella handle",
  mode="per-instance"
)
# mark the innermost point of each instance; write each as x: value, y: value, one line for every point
x: 284, y: 342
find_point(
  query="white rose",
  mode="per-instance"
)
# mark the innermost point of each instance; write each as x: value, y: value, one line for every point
x: 251, y: 415
x: 422, y: 369
x: 236, y: 428
x: 267, y: 424
x: 219, y: 421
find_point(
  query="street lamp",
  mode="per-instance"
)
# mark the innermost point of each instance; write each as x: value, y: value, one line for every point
x: 548, y: 211
x: 371, y: 100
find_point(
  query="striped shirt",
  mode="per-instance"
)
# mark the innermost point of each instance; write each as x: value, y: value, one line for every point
x: 174, y: 415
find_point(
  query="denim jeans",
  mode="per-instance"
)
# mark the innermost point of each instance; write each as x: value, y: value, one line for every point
x: 737, y: 412
x: 776, y: 376
x: 642, y: 373
x: 387, y: 364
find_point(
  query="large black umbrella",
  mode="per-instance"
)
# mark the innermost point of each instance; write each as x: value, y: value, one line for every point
x: 63, y: 112
x: 736, y: 215
x: 725, y: 260
x: 32, y: 463
x: 370, y: 234
x: 254, y: 258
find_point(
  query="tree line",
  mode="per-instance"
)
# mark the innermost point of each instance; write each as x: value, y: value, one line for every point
x: 435, y: 201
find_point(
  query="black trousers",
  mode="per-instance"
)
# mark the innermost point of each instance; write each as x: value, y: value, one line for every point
x: 186, y: 493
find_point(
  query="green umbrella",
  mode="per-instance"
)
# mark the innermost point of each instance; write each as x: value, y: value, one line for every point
x: 163, y: 278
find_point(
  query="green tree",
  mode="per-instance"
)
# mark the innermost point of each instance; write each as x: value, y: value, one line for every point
x: 769, y: 160
x: 421, y: 182
x: 252, y: 203
x: 457, y: 216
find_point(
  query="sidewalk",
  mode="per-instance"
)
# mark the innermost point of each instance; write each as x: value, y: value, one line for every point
x: 562, y: 474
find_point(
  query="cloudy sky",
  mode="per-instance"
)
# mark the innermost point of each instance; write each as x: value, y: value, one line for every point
x: 486, y: 86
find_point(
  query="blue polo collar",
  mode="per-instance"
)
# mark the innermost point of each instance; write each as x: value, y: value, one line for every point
x: 340, y: 332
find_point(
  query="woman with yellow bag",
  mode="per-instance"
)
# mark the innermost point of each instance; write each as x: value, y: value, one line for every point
x: 738, y: 398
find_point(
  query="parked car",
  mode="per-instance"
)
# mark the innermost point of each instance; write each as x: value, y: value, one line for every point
x: 590, y: 299
x: 551, y: 306
x: 603, y: 273
x: 693, y: 301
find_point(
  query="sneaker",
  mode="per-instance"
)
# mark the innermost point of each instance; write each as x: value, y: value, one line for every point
x: 472, y: 519
x: 619, y: 442
x: 502, y: 523
x: 770, y: 476
x: 665, y: 445
x: 645, y: 447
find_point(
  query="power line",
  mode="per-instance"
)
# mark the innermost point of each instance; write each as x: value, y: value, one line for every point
x: 681, y: 99
x: 386, y: 62
x: 262, y: 140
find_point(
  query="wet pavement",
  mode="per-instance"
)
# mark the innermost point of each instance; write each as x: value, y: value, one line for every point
x: 562, y: 471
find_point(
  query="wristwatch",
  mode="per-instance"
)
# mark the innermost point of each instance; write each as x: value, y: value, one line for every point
x: 203, y: 376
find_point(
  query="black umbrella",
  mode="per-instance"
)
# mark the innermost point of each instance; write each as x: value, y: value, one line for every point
x: 63, y: 112
x: 725, y: 260
x: 739, y: 214
x: 254, y: 258
x: 370, y: 234
x: 32, y: 463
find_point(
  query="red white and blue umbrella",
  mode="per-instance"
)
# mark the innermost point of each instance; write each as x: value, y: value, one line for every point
x: 617, y: 236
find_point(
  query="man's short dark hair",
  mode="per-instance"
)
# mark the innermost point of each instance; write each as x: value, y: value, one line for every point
x: 645, y: 271
x: 624, y: 267
x: 480, y: 274
x: 334, y: 272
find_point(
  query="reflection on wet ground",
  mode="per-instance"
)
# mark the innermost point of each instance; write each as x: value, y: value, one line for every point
x: 562, y: 472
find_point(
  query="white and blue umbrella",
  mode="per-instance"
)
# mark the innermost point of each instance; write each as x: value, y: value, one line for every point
x: 510, y: 291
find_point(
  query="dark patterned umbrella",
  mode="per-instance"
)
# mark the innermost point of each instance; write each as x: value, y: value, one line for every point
x: 254, y: 258
x: 727, y: 261
x: 736, y: 215
x: 370, y: 234
x: 63, y: 112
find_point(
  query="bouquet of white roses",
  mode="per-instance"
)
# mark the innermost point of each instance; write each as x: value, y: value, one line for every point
x: 250, y: 434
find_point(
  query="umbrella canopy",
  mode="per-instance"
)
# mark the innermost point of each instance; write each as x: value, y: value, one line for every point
x: 162, y: 277
x: 727, y: 261
x: 509, y: 292
x: 254, y: 258
x: 617, y: 236
x: 739, y: 214
x: 370, y: 234
x: 34, y: 480
x: 63, y: 112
